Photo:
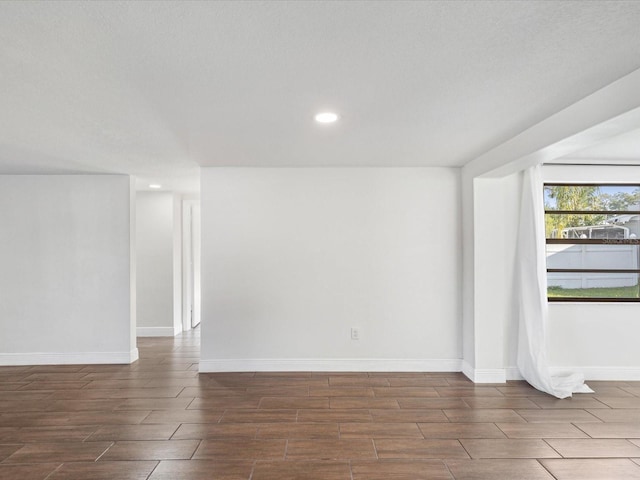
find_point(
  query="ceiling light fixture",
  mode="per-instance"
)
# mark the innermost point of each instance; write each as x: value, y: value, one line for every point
x: 326, y: 117
x: 155, y: 185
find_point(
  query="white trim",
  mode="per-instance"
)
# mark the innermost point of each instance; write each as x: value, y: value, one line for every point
x: 79, y: 358
x: 513, y: 373
x: 329, y: 365
x: 468, y: 370
x: 602, y: 373
x: 484, y: 375
x: 133, y: 355
x: 629, y: 374
x: 158, y: 331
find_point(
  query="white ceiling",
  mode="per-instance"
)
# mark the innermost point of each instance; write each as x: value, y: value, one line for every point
x: 155, y: 89
x: 621, y: 150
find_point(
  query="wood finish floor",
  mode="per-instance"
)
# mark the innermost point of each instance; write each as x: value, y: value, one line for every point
x: 159, y: 419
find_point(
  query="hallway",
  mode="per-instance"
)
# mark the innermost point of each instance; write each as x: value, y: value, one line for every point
x: 159, y: 419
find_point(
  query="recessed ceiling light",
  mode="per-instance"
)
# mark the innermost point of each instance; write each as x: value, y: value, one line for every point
x: 155, y: 185
x: 326, y: 117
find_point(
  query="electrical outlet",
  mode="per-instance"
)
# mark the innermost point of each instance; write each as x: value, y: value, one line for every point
x: 355, y: 333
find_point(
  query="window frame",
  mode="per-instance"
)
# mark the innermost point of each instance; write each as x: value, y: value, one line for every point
x: 591, y: 241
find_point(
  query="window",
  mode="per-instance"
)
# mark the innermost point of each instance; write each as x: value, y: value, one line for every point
x: 593, y: 242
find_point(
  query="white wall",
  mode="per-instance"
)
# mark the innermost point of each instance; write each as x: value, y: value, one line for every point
x: 158, y: 264
x: 293, y: 258
x: 65, y: 268
x: 598, y: 339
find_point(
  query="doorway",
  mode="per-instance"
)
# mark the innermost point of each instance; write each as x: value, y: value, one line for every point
x: 191, y: 264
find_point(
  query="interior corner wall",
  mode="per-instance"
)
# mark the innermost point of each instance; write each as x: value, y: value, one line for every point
x: 158, y: 264
x: 64, y: 283
x: 293, y: 259
x: 597, y: 339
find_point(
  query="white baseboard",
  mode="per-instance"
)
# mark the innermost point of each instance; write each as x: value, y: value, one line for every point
x: 328, y: 365
x: 134, y: 355
x: 157, y: 331
x: 513, y: 373
x: 476, y: 375
x: 621, y: 374
x: 484, y: 375
x: 468, y: 370
x: 68, y: 358
x: 602, y: 373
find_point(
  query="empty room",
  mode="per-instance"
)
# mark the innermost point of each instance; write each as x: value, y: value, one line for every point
x: 333, y: 240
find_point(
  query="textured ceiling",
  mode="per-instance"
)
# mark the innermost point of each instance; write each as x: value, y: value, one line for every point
x: 155, y: 89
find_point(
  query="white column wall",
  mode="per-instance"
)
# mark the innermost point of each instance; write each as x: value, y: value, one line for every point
x: 294, y: 258
x: 489, y: 307
x: 65, y: 269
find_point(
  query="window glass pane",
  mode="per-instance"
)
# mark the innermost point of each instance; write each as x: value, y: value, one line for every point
x: 590, y: 257
x: 592, y: 226
x: 592, y: 197
x: 593, y: 285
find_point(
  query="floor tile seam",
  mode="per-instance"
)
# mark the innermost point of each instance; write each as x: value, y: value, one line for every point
x: 152, y: 470
x: 98, y: 427
x: 196, y: 449
x: 224, y: 412
x: 603, y: 403
x: 23, y: 388
x: 595, y: 415
x: 54, y: 471
x: 448, y: 469
x: 624, y: 389
x: 192, y: 400
x: 253, y: 469
x: 592, y: 458
x: 105, y: 451
x: 545, y: 440
x: 514, y: 410
x: 539, y: 460
x: 465, y: 402
x: 582, y: 430
x: 174, y: 432
x: 464, y: 448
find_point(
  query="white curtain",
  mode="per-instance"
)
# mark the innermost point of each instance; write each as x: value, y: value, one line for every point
x: 531, y: 288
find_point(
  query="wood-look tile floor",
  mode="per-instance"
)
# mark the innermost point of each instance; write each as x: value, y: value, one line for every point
x: 160, y: 419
